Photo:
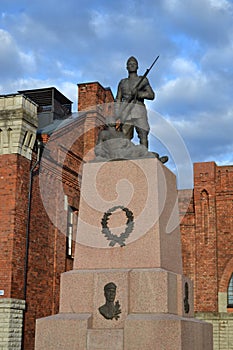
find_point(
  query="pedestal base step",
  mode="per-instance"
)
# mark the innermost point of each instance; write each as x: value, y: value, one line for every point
x: 166, y: 332
x: 62, y: 331
x: 141, y: 331
x: 105, y: 339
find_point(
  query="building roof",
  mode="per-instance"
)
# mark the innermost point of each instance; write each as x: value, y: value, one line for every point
x: 44, y: 96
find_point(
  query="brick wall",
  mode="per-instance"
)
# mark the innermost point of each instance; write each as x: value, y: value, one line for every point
x: 206, y: 274
x: 47, y: 237
x: 47, y: 247
x: 207, y: 234
x: 61, y: 167
x: 224, y: 208
x: 92, y: 94
x: 7, y: 214
x: 206, y: 227
x: 187, y: 228
x: 13, y: 209
x: 41, y: 265
x: 98, y: 101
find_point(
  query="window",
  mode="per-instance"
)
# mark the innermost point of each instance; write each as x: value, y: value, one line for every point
x: 230, y: 293
x: 71, y: 224
x: 30, y: 140
x: 1, y: 138
x: 9, y: 134
x: 25, y: 138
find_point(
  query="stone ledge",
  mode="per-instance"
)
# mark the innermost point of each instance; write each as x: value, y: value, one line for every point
x: 161, y: 331
x: 214, y: 315
x: 9, y: 303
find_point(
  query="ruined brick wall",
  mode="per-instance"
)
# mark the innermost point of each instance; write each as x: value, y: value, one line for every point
x: 224, y: 207
x: 207, y: 234
x: 206, y: 274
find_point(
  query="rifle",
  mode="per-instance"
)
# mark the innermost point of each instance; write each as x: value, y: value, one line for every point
x: 141, y: 80
x: 128, y: 102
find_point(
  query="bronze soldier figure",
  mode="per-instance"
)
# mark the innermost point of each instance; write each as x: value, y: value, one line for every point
x: 131, y: 110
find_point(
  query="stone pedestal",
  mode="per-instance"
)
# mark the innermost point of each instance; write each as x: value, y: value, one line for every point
x: 135, y: 200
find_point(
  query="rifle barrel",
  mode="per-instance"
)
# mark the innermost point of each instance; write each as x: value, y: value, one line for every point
x: 146, y: 72
x: 153, y: 63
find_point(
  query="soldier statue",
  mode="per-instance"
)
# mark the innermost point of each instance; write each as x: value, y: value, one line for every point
x: 132, y: 111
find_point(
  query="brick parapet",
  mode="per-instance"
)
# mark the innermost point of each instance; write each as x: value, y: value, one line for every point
x: 11, y: 323
x: 99, y: 104
x: 92, y: 94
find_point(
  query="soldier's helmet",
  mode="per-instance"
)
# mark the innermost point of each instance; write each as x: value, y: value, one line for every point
x: 132, y: 58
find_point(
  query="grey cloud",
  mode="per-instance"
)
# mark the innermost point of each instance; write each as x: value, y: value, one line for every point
x: 11, y: 64
x: 83, y: 41
x: 210, y: 22
x: 208, y: 137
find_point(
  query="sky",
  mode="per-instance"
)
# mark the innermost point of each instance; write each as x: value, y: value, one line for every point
x: 66, y: 42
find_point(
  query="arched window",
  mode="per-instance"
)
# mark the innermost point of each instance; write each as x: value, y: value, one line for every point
x: 24, y: 138
x: 71, y: 231
x: 30, y: 140
x: 205, y: 215
x: 9, y: 136
x: 230, y: 293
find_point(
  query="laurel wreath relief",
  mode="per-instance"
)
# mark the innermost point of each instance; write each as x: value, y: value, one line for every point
x: 124, y: 235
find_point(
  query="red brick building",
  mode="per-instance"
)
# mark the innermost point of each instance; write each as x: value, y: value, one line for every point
x: 38, y: 219
x: 207, y: 243
x: 37, y: 244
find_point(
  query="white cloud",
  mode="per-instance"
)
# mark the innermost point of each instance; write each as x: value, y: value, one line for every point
x: 71, y: 91
x: 208, y: 21
x: 183, y: 67
x: 220, y: 4
x: 10, y: 59
x: 91, y: 41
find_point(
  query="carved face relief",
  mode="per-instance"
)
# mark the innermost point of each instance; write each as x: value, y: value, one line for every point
x: 110, y: 310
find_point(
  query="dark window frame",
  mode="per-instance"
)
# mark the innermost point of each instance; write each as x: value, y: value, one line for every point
x: 230, y: 293
x: 70, y: 233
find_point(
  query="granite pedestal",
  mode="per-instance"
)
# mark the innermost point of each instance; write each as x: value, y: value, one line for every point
x: 135, y: 200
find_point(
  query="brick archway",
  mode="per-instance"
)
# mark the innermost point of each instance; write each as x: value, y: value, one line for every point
x: 223, y: 285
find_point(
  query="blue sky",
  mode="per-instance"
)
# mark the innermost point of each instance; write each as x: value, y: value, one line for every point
x: 62, y: 43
